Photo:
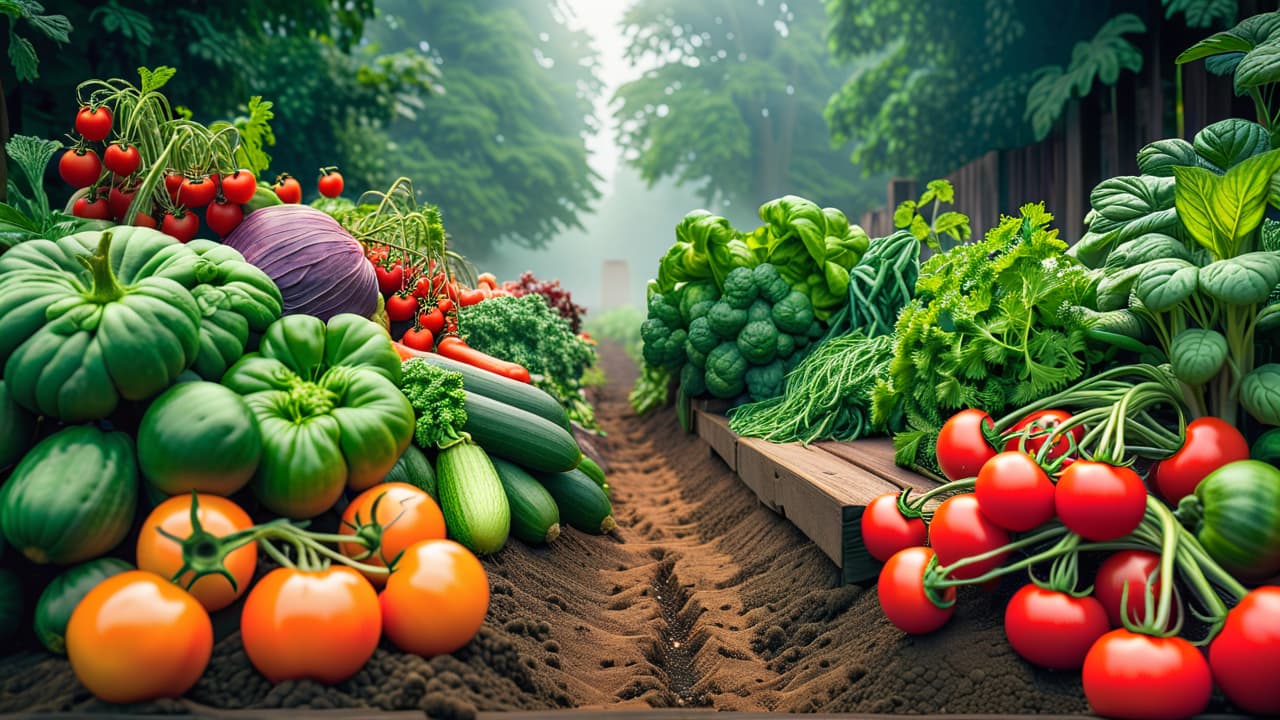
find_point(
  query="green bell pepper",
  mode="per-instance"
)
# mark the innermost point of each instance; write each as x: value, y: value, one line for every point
x: 327, y: 403
x: 77, y: 340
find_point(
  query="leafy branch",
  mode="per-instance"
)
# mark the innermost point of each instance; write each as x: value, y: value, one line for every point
x: 950, y: 223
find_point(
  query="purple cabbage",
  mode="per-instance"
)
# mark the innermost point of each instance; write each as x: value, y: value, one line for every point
x: 320, y: 269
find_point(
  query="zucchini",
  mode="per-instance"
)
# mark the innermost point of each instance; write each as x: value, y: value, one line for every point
x: 414, y: 468
x: 472, y: 499
x: 64, y: 593
x: 583, y: 505
x: 595, y: 472
x: 535, y: 519
x: 684, y: 412
x: 520, y: 436
x: 505, y: 390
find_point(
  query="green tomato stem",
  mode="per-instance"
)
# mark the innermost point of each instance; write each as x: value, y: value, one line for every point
x: 105, y: 288
x: 1055, y: 530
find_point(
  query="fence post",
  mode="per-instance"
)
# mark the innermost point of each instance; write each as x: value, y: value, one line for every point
x: 615, y: 284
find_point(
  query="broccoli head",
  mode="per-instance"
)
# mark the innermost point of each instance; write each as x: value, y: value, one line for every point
x: 438, y: 400
x: 793, y: 313
x: 661, y: 309
x: 699, y: 310
x: 694, y: 356
x: 786, y: 345
x: 726, y: 370
x: 760, y: 310
x: 766, y: 381
x: 758, y: 342
x: 701, y: 336
x: 663, y: 346
x: 726, y: 320
x: 739, y: 288
x: 773, y: 287
x: 694, y: 294
x: 693, y: 381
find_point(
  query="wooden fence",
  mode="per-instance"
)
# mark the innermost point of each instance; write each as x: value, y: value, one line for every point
x: 1092, y: 140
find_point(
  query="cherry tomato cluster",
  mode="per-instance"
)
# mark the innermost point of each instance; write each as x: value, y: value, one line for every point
x: 114, y: 180
x: 147, y: 634
x: 425, y: 297
x: 1000, y: 502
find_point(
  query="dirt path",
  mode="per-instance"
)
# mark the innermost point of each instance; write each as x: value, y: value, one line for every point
x: 702, y: 598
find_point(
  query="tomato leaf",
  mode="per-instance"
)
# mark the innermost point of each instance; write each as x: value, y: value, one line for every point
x: 1244, y: 280
x: 1197, y: 355
x: 23, y: 56
x: 1260, y: 394
x: 153, y: 80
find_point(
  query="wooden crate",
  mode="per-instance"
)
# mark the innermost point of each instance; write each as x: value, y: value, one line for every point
x: 822, y: 489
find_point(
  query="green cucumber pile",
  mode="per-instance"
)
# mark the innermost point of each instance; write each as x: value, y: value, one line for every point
x: 506, y: 462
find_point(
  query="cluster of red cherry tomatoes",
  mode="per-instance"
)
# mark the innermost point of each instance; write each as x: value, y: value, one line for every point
x: 428, y: 299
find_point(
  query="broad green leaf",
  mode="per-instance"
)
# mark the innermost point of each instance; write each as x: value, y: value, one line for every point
x: 1163, y: 284
x: 954, y: 224
x: 1221, y: 211
x: 1243, y: 280
x: 1197, y: 355
x: 1223, y: 65
x: 1145, y: 248
x: 1159, y: 157
x: 1223, y: 42
x: 1195, y: 198
x: 1127, y: 198
x: 1201, y: 13
x: 1226, y: 143
x: 1260, y: 66
x: 903, y: 213
x: 55, y: 27
x: 1114, y: 288
x: 943, y: 190
x: 1260, y: 394
x: 23, y: 57
x: 919, y: 228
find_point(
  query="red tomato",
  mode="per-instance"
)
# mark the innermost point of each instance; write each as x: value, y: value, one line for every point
x: 445, y: 304
x: 401, y: 307
x: 436, y: 600
x: 1127, y: 675
x: 959, y: 530
x: 93, y: 209
x: 1014, y: 492
x: 94, y: 124
x: 223, y: 217
x: 330, y: 183
x: 467, y: 298
x: 487, y: 279
x: 390, y: 280
x: 433, y: 320
x: 405, y: 515
x: 1211, y: 443
x: 885, y: 530
x: 1038, y: 426
x: 1098, y: 501
x: 1053, y: 629
x: 419, y: 339
x: 197, y: 192
x: 183, y: 227
x: 80, y: 168
x: 119, y: 199
x: 238, y: 188
x: 122, y: 159
x: 1126, y: 567
x: 1246, y: 653
x: 321, y: 625
x: 962, y: 444
x: 377, y: 253
x: 173, y: 183
x: 144, y: 220
x: 288, y: 189
x: 137, y: 637
x: 902, y: 595
x: 218, y: 517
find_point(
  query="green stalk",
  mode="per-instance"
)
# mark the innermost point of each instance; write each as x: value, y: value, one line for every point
x: 105, y: 287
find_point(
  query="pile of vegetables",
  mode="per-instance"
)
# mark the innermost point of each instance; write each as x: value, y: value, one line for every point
x: 175, y: 410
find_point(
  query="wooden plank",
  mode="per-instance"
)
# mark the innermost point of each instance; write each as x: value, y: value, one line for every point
x: 756, y: 470
x: 714, y: 430
x: 876, y: 456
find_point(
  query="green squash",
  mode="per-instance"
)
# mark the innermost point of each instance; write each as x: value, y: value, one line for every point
x: 72, y: 498
x: 1235, y: 513
x: 60, y: 597
x: 414, y: 468
x: 199, y: 436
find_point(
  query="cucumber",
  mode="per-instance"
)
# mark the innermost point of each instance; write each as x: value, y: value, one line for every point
x: 583, y: 505
x: 415, y: 469
x: 535, y: 519
x: 520, y: 436
x: 595, y: 472
x: 73, y: 496
x: 472, y: 499
x: 496, y: 387
x: 10, y: 605
x: 60, y: 597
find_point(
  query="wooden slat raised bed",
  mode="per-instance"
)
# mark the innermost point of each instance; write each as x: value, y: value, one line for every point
x: 822, y: 489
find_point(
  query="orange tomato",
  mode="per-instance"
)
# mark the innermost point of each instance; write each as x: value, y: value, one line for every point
x: 137, y: 637
x: 436, y: 599
x: 406, y: 515
x: 321, y: 624
x: 218, y: 517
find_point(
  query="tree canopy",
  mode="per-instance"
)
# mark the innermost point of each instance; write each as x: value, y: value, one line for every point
x: 732, y: 102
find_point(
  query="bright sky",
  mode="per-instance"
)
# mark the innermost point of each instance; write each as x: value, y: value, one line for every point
x: 601, y: 18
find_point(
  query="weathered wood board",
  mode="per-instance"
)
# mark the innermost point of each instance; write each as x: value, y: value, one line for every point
x: 822, y: 489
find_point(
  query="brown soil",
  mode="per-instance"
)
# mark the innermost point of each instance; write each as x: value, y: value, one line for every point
x: 702, y: 598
